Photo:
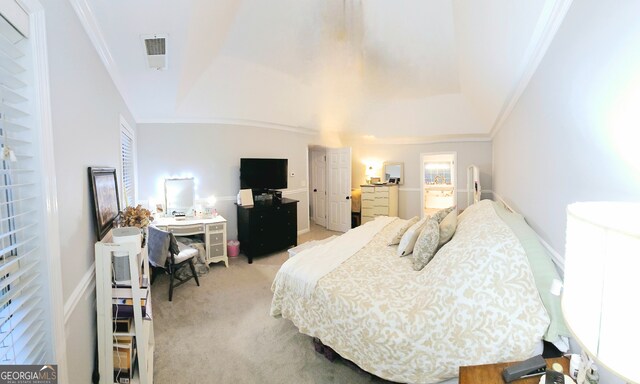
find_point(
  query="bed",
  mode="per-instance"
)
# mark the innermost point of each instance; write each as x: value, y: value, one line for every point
x: 481, y: 299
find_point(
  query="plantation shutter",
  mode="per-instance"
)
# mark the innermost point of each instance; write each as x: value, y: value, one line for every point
x: 24, y: 327
x: 128, y: 177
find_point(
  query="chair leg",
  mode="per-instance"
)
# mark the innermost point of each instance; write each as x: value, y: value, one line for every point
x: 170, y: 283
x: 193, y: 270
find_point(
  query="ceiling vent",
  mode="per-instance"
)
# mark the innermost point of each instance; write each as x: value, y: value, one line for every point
x: 155, y: 47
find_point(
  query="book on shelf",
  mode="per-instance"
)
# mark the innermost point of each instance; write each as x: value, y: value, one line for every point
x: 122, y: 324
x: 124, y: 356
x: 123, y: 306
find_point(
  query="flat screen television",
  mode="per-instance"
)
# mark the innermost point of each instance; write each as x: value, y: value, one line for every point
x: 263, y: 173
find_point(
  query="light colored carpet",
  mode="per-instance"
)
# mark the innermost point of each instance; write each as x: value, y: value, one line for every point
x: 221, y: 332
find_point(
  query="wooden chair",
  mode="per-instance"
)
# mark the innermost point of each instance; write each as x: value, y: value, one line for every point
x: 163, y: 246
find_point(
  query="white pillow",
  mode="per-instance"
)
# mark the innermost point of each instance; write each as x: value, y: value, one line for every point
x: 426, y: 245
x: 396, y: 236
x: 409, y: 238
x: 447, y: 228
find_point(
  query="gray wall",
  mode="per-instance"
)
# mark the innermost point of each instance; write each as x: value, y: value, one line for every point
x: 211, y: 153
x: 86, y: 109
x: 573, y: 135
x: 570, y: 137
x: 468, y: 153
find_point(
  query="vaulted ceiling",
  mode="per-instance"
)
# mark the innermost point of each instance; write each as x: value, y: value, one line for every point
x: 404, y: 68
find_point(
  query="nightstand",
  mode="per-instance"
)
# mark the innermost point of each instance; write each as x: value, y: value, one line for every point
x: 492, y: 373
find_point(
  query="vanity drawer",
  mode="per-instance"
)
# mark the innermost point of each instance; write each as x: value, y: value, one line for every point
x: 186, y: 229
x: 216, y: 238
x: 216, y: 250
x: 215, y: 227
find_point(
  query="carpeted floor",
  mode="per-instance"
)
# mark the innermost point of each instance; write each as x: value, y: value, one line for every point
x: 221, y: 332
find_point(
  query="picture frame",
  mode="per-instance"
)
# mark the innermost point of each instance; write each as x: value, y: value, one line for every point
x: 106, y: 202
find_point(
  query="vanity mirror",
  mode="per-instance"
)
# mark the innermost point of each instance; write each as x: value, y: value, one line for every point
x: 179, y: 195
x: 394, y: 172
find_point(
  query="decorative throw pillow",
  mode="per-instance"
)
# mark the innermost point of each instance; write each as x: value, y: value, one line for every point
x: 441, y: 214
x: 409, y: 238
x: 426, y: 245
x: 397, y: 235
x: 447, y: 228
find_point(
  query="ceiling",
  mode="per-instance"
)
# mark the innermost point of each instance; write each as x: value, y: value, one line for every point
x: 405, y: 68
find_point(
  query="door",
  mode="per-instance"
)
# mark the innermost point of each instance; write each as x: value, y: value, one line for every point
x: 319, y: 187
x: 339, y: 189
x: 438, y: 175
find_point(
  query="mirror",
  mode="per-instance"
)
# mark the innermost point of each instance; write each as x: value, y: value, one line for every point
x: 394, y: 173
x: 179, y: 195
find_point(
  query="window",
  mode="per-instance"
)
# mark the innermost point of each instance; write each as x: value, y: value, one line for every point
x: 127, y: 146
x: 25, y: 325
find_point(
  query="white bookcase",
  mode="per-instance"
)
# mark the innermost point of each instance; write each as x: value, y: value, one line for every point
x: 141, y: 329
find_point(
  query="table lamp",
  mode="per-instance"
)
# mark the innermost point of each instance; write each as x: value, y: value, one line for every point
x: 602, y: 283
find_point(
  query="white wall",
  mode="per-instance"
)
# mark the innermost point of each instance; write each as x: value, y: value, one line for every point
x: 86, y: 109
x: 478, y: 153
x: 573, y: 135
x: 211, y: 153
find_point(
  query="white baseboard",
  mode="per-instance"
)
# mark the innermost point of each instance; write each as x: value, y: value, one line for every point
x: 303, y: 231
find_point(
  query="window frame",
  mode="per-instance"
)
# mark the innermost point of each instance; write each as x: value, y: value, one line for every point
x: 125, y: 128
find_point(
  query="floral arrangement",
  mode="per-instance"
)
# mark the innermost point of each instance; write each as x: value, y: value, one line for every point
x: 135, y: 217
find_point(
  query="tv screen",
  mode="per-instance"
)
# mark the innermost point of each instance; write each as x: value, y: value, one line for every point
x: 263, y: 173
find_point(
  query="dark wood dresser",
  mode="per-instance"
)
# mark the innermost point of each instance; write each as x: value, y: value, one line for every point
x: 267, y: 227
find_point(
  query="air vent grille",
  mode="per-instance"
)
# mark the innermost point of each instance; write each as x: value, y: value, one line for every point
x: 155, y: 46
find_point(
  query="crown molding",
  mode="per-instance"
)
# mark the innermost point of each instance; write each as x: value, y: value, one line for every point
x: 455, y: 138
x: 551, y: 18
x: 91, y: 27
x: 226, y: 121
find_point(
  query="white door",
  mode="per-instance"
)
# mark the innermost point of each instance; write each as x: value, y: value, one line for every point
x: 319, y: 187
x: 339, y: 189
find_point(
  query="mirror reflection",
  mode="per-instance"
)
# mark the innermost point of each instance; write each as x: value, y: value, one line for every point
x: 179, y: 195
x: 393, y: 173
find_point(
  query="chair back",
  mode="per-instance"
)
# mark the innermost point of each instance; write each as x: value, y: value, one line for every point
x: 159, y: 242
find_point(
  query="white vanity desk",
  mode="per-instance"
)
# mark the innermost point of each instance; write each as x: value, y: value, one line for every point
x: 213, y: 228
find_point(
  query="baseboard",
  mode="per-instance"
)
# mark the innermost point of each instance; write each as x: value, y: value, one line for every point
x: 303, y: 231
x: 88, y: 282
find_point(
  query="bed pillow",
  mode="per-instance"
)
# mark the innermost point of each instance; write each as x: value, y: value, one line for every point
x: 441, y: 214
x: 447, y: 228
x: 397, y: 235
x: 426, y: 244
x: 409, y: 238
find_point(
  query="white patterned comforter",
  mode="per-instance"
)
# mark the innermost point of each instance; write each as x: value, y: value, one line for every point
x: 474, y: 303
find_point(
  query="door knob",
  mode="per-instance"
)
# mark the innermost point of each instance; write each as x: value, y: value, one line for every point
x: 348, y: 197
x: 315, y: 190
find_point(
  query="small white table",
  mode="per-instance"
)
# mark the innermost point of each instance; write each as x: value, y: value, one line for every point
x: 213, y: 228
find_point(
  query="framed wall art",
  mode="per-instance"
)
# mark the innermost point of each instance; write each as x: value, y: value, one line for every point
x: 104, y: 188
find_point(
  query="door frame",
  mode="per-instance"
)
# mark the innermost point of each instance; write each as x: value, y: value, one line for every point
x: 347, y: 193
x: 310, y: 164
x: 454, y: 181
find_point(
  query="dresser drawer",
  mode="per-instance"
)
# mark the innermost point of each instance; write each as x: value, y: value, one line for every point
x: 380, y: 211
x: 368, y: 190
x: 366, y: 211
x: 186, y: 229
x: 215, y: 227
x: 381, y: 202
x: 382, y: 189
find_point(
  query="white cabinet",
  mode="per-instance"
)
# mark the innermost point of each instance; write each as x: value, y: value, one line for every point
x: 141, y: 323
x: 378, y: 200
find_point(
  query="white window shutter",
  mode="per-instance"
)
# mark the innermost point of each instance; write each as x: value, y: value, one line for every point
x: 24, y: 326
x: 127, y: 144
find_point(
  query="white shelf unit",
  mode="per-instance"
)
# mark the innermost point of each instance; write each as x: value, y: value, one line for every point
x: 141, y: 329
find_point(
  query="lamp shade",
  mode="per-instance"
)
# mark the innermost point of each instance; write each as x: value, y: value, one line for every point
x: 602, y: 283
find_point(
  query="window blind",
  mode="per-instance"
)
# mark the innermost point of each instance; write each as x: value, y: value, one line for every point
x: 23, y: 310
x: 128, y: 177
